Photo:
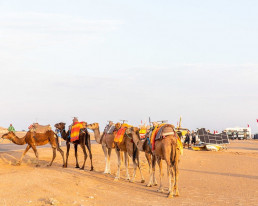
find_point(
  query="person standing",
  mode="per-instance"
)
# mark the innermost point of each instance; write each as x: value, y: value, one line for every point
x: 193, y: 138
x: 59, y: 137
x: 187, y: 139
x: 11, y: 128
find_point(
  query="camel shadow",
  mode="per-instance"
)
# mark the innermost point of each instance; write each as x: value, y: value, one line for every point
x: 223, y: 174
x: 108, y: 179
x: 12, y: 158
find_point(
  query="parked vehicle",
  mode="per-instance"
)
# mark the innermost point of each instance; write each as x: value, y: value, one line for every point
x: 238, y: 133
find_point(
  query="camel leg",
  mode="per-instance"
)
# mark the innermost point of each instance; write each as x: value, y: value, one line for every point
x: 85, y: 155
x: 137, y: 164
x: 62, y: 153
x: 118, y: 165
x: 170, y: 180
x: 108, y: 160
x: 88, y: 144
x: 127, y: 176
x: 152, y: 175
x: 53, y: 157
x: 36, y: 154
x: 58, y: 145
x: 148, y: 157
x: 155, y: 183
x: 176, y: 175
x: 160, y: 175
x: 23, y: 154
x: 76, y: 155
x: 104, y: 148
x: 67, y: 153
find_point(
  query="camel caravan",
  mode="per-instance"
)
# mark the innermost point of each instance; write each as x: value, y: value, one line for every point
x: 158, y: 142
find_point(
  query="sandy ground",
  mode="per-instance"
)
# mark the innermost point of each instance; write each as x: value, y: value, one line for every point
x: 228, y: 177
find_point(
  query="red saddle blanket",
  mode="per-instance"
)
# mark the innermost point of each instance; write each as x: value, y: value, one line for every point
x: 75, y: 131
x: 120, y: 135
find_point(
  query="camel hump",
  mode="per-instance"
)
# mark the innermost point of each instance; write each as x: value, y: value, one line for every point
x: 164, y: 131
x: 35, y: 127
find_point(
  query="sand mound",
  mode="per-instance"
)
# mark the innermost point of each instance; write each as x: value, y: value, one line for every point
x: 3, y: 130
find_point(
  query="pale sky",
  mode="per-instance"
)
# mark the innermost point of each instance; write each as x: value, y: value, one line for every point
x: 111, y: 60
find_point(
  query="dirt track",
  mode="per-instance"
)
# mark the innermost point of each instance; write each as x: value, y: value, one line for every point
x: 206, y: 178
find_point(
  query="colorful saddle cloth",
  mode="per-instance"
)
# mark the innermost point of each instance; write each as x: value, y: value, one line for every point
x: 119, y: 137
x: 142, y: 133
x: 153, y: 135
x: 75, y: 131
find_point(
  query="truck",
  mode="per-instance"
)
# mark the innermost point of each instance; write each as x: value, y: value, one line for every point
x: 238, y: 133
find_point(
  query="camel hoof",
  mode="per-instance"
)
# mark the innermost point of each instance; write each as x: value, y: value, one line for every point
x: 177, y: 194
x: 116, y: 179
x: 170, y: 195
x: 131, y: 181
x: 142, y: 181
x: 18, y: 164
x: 49, y: 165
x: 160, y: 190
x: 91, y: 169
x: 149, y: 185
x: 155, y: 184
x: 37, y: 165
x: 77, y: 167
x: 82, y: 168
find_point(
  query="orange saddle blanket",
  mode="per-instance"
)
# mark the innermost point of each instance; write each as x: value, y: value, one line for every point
x: 75, y: 131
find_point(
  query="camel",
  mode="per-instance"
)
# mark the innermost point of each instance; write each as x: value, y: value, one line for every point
x: 143, y: 146
x: 166, y: 149
x: 36, y: 139
x: 107, y: 142
x: 129, y: 148
x: 84, y: 139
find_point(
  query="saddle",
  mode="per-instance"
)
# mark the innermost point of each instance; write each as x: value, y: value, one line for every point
x: 109, y: 129
x: 161, y: 131
x: 119, y: 136
x: 37, y: 128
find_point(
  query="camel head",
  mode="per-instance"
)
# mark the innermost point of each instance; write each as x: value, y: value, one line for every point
x: 133, y: 130
x: 117, y: 126
x: 84, y: 124
x: 9, y: 135
x: 60, y: 126
x: 93, y: 126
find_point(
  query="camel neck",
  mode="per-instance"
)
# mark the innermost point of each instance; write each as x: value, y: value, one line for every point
x: 135, y: 137
x: 97, y: 135
x: 64, y: 134
x: 18, y: 141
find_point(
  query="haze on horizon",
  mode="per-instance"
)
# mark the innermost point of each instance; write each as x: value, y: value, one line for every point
x: 112, y: 60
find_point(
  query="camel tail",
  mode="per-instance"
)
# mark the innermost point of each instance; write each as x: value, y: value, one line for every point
x: 173, y: 154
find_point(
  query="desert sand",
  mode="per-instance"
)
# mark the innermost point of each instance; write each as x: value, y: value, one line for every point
x: 228, y: 177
